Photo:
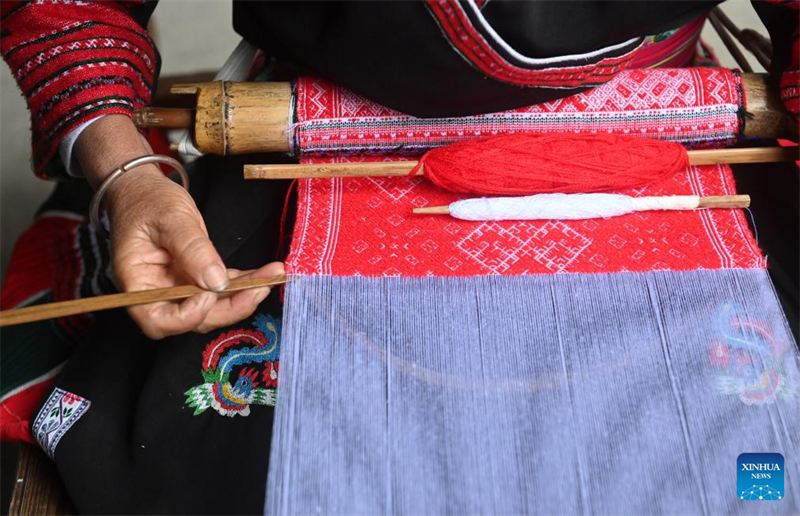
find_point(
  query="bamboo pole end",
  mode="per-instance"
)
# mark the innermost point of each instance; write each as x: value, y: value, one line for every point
x: 184, y: 89
x: 432, y: 210
x: 724, y: 201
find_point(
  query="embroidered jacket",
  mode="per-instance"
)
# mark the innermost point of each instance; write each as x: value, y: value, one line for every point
x: 76, y: 60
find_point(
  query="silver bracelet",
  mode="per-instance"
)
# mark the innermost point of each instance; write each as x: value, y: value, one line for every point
x: 94, y: 207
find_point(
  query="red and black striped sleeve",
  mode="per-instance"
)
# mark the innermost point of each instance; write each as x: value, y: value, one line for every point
x: 75, y: 61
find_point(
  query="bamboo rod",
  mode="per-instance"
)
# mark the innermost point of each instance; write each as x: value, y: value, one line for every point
x: 295, y: 171
x: 238, y: 118
x: 739, y: 156
x: 124, y: 299
x: 730, y: 44
x: 403, y: 168
x: 748, y: 38
x: 432, y: 210
x: 167, y: 118
x: 712, y: 201
x: 724, y: 201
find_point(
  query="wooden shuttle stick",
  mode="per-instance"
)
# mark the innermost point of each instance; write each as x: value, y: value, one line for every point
x: 576, y: 206
x: 142, y: 297
x: 403, y: 168
x: 713, y: 201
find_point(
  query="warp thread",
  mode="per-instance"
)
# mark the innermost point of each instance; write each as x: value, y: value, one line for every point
x: 508, y: 388
x: 524, y: 164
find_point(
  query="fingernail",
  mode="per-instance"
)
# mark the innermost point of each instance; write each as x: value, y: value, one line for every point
x: 215, y: 278
x: 281, y: 270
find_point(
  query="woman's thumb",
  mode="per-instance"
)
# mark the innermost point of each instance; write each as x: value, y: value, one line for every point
x: 194, y: 254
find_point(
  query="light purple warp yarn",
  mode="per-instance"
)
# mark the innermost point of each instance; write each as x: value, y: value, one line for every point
x: 547, y: 394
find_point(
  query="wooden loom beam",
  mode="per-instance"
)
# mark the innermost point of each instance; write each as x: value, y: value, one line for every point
x: 249, y: 117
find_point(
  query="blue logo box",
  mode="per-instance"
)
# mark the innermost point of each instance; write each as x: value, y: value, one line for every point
x: 759, y: 476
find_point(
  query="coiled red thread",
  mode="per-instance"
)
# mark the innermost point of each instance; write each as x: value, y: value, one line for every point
x: 524, y: 164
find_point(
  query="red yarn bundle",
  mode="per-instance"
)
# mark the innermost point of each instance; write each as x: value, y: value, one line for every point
x: 525, y: 164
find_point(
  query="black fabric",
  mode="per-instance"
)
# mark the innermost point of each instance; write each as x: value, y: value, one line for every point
x: 138, y: 449
x: 395, y: 53
x: 781, y: 22
x: 554, y: 28
x: 774, y: 189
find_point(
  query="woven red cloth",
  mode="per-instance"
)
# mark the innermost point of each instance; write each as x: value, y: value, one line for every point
x: 364, y: 227
x: 694, y: 106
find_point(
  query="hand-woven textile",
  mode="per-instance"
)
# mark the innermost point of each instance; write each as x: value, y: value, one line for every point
x: 439, y: 366
x: 619, y: 394
x: 365, y: 227
x: 691, y: 106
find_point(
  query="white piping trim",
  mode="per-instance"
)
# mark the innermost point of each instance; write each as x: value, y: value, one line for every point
x: 546, y: 60
x: 30, y: 299
x: 39, y: 379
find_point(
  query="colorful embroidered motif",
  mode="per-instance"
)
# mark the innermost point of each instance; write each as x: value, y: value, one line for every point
x: 61, y: 410
x: 230, y: 353
x: 750, y: 357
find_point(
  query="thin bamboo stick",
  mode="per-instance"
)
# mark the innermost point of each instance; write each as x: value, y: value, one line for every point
x: 143, y: 297
x: 403, y: 168
x: 730, y: 44
x: 748, y: 38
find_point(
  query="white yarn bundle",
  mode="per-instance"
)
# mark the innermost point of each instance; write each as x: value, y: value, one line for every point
x: 565, y: 206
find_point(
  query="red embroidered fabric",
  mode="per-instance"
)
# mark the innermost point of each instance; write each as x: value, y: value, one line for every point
x: 675, y: 50
x: 693, y: 106
x: 364, y: 227
x: 75, y: 61
x: 465, y: 37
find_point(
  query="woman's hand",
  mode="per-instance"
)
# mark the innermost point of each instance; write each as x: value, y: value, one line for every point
x: 159, y: 238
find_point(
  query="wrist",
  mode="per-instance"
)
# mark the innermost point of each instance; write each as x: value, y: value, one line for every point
x: 143, y: 193
x: 106, y: 145
x: 134, y: 185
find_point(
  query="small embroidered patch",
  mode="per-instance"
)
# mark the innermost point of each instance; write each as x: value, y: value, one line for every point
x: 62, y: 410
x: 226, y: 356
x: 750, y: 358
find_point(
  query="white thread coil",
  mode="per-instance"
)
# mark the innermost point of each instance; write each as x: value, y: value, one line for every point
x: 564, y: 206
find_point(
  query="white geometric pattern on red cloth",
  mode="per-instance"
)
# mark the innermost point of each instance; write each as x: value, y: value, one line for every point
x: 364, y: 227
x: 693, y: 105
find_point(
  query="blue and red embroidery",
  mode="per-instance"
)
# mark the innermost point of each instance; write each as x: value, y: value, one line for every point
x: 750, y: 358
x: 240, y: 368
